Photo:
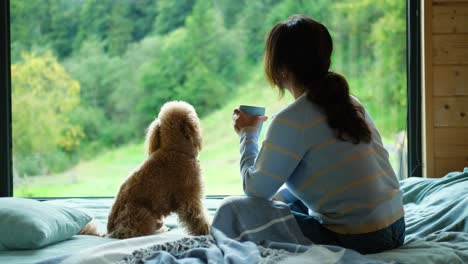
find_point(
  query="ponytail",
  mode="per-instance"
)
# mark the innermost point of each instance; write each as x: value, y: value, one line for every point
x: 302, y: 47
x: 331, y: 94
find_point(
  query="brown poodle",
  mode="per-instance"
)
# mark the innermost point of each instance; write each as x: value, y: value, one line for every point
x: 169, y: 180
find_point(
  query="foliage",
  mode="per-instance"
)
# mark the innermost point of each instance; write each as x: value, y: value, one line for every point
x: 52, y: 23
x: 43, y: 94
x: 130, y: 56
x: 142, y: 15
x: 390, y: 67
x: 195, y: 64
x: 171, y: 14
x: 116, y: 23
x: 231, y: 11
x: 129, y: 91
x: 212, y: 69
x: 379, y: 52
x: 159, y: 80
x: 98, y: 74
x: 253, y: 29
x: 120, y: 32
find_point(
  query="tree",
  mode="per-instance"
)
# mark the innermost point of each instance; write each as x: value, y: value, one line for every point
x: 171, y: 14
x: 48, y: 24
x: 163, y: 75
x: 43, y: 94
x: 142, y: 15
x: 100, y: 75
x: 25, y: 22
x: 318, y: 11
x: 95, y: 21
x: 120, y: 31
x: 60, y: 25
x: 371, y: 50
x: 213, y: 70
x: 197, y: 64
x: 253, y: 29
x: 389, y: 70
x: 231, y: 11
x: 129, y: 92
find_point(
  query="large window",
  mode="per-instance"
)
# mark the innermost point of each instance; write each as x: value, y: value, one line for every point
x: 89, y: 76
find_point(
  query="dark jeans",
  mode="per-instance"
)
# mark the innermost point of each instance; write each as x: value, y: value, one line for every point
x: 388, y: 238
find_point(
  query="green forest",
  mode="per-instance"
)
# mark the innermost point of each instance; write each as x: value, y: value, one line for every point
x: 89, y: 76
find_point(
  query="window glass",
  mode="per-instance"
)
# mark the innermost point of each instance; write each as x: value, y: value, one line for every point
x: 89, y: 76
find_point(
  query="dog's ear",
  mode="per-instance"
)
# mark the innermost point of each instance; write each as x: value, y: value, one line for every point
x: 191, y: 130
x: 153, y: 140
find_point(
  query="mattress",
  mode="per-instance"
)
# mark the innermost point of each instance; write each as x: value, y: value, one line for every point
x: 436, y: 217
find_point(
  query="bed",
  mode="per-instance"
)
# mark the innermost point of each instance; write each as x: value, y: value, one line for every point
x: 437, y: 232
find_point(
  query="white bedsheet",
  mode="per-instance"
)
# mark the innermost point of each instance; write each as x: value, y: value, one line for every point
x: 115, y: 251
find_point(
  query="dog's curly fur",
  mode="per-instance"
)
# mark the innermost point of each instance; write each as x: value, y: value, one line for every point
x: 169, y: 180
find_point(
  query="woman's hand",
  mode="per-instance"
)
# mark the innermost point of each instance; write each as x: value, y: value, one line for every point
x: 242, y: 120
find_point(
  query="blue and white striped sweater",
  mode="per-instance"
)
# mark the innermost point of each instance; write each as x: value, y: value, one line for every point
x: 350, y: 189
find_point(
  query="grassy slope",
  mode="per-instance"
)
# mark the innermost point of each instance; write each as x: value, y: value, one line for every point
x: 219, y: 157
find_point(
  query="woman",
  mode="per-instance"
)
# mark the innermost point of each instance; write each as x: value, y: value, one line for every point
x: 324, y: 147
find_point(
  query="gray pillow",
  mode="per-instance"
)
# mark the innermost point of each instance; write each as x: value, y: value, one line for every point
x: 30, y: 224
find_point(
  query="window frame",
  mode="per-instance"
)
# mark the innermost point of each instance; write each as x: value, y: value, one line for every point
x: 414, y: 87
x: 414, y: 108
x: 6, y: 175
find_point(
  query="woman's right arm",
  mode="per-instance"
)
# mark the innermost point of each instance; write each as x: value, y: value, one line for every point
x: 265, y: 171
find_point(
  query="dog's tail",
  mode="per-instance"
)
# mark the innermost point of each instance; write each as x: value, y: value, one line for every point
x: 152, y: 141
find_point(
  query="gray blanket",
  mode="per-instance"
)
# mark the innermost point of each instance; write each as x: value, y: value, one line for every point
x: 247, y: 231
x: 217, y: 248
x: 436, y: 218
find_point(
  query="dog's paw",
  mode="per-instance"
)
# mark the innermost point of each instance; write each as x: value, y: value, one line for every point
x: 201, y: 229
x: 90, y: 229
x: 162, y: 230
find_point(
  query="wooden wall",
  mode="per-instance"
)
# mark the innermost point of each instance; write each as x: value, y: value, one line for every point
x: 445, y: 86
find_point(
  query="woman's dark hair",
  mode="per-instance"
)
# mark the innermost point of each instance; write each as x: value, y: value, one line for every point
x: 301, y: 48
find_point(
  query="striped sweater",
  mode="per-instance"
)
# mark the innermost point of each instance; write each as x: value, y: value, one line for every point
x: 349, y: 188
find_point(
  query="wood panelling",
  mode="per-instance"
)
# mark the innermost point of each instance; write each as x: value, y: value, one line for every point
x: 450, y: 18
x: 445, y: 165
x: 427, y: 111
x: 451, y: 142
x: 450, y: 111
x: 445, y: 86
x: 448, y: 1
x: 450, y: 49
x: 450, y: 80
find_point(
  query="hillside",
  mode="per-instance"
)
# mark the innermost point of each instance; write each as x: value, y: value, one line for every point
x: 219, y: 158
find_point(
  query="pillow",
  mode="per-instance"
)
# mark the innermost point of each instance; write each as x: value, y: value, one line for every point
x: 30, y: 224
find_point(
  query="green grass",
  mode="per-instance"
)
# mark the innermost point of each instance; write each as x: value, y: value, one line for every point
x: 219, y: 158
